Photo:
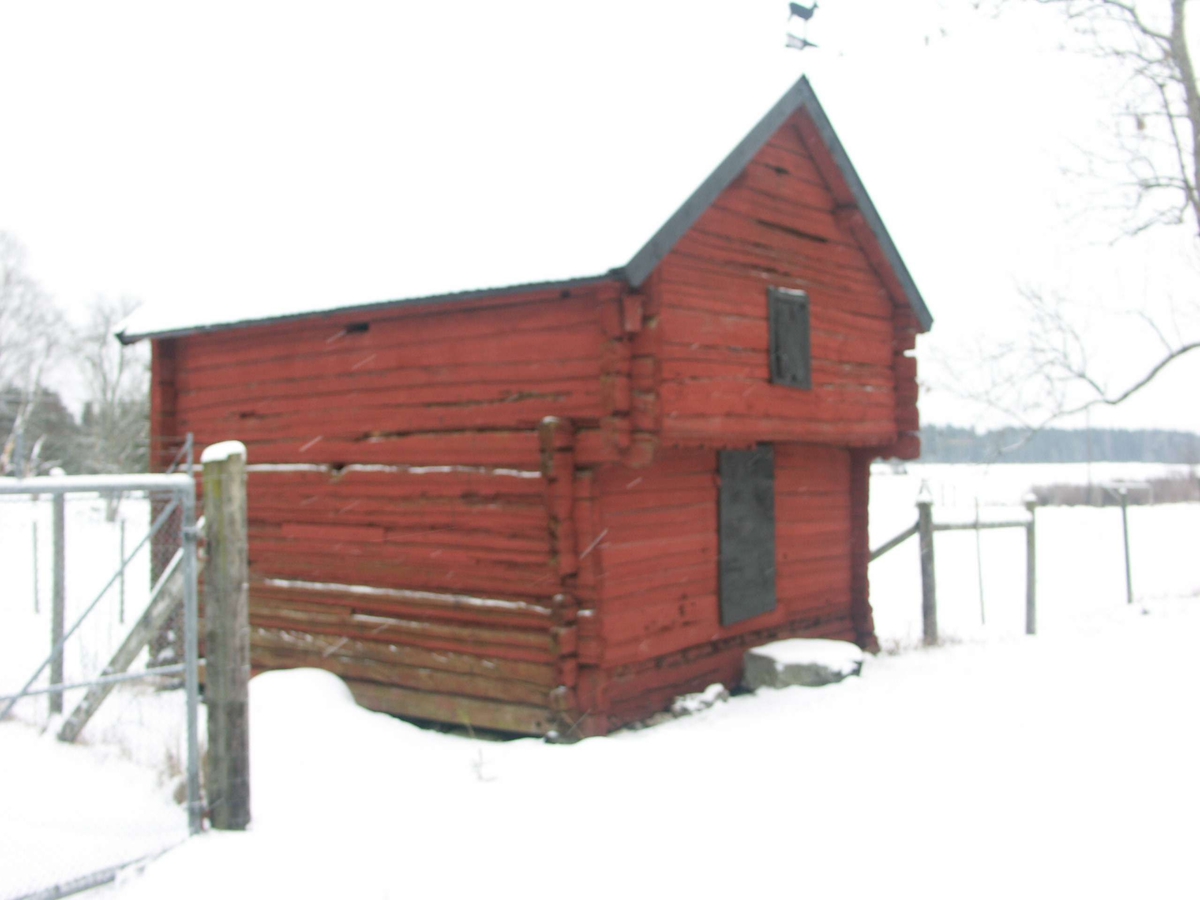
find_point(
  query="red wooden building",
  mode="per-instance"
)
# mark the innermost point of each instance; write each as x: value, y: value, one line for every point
x: 556, y: 506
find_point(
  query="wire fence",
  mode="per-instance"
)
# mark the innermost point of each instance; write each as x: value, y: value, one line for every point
x: 93, y: 564
x: 1090, y: 561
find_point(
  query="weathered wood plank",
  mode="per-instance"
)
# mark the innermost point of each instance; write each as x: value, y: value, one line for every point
x: 544, y: 675
x: 453, y: 709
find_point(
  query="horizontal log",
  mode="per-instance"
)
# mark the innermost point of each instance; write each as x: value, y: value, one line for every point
x: 564, y: 344
x: 348, y: 423
x: 807, y: 457
x: 733, y: 254
x: 762, y: 221
x: 290, y: 564
x: 387, y: 328
x: 453, y: 709
x: 626, y: 625
x: 544, y: 675
x: 501, y: 447
x: 702, y: 429
x: 830, y: 404
x: 686, y: 265
x: 499, y: 612
x: 685, y: 576
x: 284, y: 618
x: 384, y: 627
x: 505, y: 563
x: 444, y: 545
x: 625, y: 512
x: 197, y: 393
x: 495, y: 530
x: 260, y: 401
x: 785, y: 149
x: 348, y: 666
x: 694, y: 516
x: 618, y: 554
x: 831, y: 337
x: 775, y: 177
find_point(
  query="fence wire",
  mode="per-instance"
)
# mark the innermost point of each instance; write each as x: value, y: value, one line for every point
x: 119, y: 792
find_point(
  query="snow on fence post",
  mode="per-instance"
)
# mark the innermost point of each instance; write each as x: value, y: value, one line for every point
x: 1031, y: 566
x: 58, y: 597
x: 227, y: 633
x: 1124, y: 495
x: 928, y: 581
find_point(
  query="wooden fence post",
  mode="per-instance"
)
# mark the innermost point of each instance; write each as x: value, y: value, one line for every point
x: 928, y: 581
x: 1124, y: 494
x: 227, y: 635
x: 1031, y: 566
x: 58, y: 600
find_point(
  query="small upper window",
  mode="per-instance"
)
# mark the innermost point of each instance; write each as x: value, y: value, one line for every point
x: 791, y: 341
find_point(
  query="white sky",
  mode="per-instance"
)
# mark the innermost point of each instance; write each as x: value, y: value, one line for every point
x: 233, y: 151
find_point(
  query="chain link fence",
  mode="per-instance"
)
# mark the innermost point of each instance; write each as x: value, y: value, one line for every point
x: 98, y: 727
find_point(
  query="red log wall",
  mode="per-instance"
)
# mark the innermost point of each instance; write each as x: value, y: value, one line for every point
x: 649, y: 623
x: 428, y: 538
x: 405, y: 524
x: 784, y: 222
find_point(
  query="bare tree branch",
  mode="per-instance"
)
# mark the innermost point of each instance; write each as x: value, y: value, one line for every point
x: 1154, y: 176
x: 32, y: 333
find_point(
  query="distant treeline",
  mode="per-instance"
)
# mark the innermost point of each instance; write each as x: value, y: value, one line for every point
x: 946, y: 443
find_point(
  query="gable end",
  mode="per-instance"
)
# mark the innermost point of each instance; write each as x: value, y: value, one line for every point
x: 801, y: 96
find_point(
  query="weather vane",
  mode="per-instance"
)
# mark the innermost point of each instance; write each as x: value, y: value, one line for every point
x: 805, y: 13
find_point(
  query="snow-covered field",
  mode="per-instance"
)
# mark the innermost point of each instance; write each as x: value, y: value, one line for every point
x: 996, y: 765
x: 1080, y: 550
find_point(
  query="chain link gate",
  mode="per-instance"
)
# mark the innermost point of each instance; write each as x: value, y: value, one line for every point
x: 87, y: 593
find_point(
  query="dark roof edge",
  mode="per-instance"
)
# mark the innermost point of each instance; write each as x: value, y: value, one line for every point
x: 799, y: 96
x: 863, y: 201
x: 460, y: 296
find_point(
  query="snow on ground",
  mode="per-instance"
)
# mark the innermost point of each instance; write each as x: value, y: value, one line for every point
x: 1057, y: 766
x: 1063, y: 764
x: 66, y: 811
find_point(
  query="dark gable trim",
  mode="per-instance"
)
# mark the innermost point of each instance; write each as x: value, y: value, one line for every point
x: 460, y: 297
x: 863, y: 201
x: 800, y: 96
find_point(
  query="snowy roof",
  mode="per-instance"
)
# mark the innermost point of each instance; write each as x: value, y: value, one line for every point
x: 547, y: 225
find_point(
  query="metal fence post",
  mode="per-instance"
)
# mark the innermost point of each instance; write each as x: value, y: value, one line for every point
x: 1031, y: 566
x: 1124, y: 494
x: 928, y: 581
x: 227, y: 635
x: 58, y: 600
x: 121, y: 607
x: 36, y: 586
x: 191, y: 660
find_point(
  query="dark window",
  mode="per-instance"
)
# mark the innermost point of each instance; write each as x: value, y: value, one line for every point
x: 791, y: 343
x: 747, y: 533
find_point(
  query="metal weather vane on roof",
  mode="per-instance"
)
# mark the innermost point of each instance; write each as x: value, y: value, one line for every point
x: 796, y: 10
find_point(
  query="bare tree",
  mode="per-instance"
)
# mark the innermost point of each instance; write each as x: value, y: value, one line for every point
x: 116, y: 415
x: 31, y: 336
x: 1152, y: 176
